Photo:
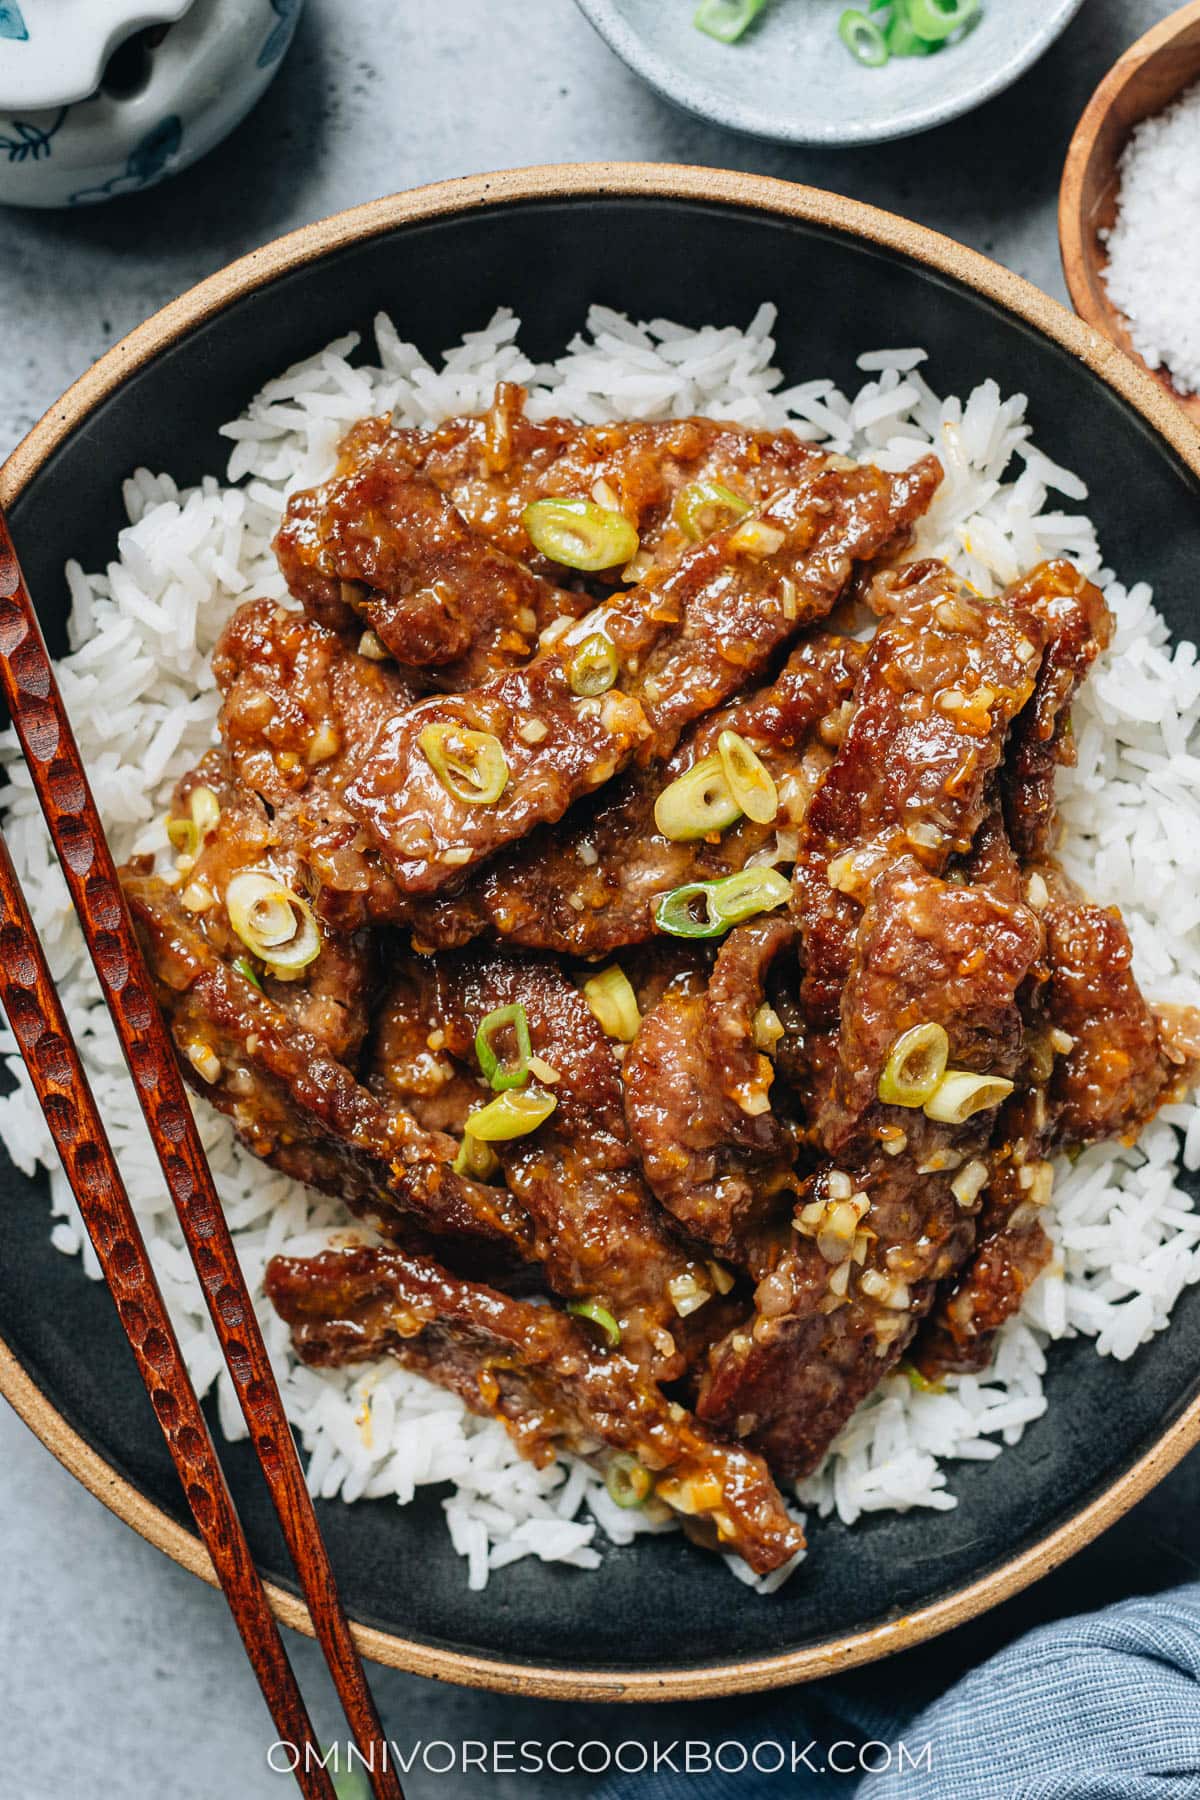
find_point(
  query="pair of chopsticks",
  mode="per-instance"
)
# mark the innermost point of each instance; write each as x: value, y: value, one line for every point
x: 35, y: 704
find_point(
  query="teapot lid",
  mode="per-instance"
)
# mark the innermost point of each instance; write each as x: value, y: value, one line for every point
x: 53, y: 52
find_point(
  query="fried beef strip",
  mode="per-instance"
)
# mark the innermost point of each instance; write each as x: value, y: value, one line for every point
x: 588, y: 886
x: 297, y: 1107
x: 300, y: 710
x: 540, y: 1375
x: 1102, y: 1065
x: 685, y: 639
x: 1124, y: 1061
x: 911, y: 785
x: 491, y: 466
x: 698, y: 1099
x: 1078, y: 627
x: 891, y: 1215
x: 945, y: 675
x: 597, y: 1231
x: 385, y: 546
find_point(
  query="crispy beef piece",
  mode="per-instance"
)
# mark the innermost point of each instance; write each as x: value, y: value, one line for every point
x: 295, y: 1106
x: 492, y: 465
x: 1118, y: 1072
x: 588, y: 886
x: 598, y: 1232
x: 300, y: 710
x: 945, y: 675
x: 300, y: 707
x: 698, y: 1099
x: 1011, y: 1247
x: 540, y: 1375
x: 1122, y: 1065
x: 1078, y: 627
x: 331, y: 998
x: 843, y: 1302
x: 664, y: 965
x: 410, y: 1063
x: 385, y: 546
x: 686, y: 639
x: 927, y: 951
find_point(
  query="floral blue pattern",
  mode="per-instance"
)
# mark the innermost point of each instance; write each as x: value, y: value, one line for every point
x: 12, y: 22
x: 146, y: 164
x: 30, y: 143
x: 281, y: 32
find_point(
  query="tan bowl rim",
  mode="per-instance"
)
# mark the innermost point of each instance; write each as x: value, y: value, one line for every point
x: 1073, y: 239
x: 582, y: 181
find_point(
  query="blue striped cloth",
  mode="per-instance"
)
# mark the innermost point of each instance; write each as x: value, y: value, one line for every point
x: 1102, y: 1707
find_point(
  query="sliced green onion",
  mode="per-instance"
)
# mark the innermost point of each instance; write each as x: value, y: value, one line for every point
x: 902, y: 40
x: 245, y: 969
x: 597, y: 1315
x: 863, y: 38
x: 273, y: 922
x: 614, y: 1004
x: 580, y: 534
x: 698, y: 804
x: 503, y: 1075
x: 594, y: 667
x: 748, y: 778
x: 510, y: 1115
x: 187, y: 835
x: 914, y: 1067
x: 726, y: 20
x: 960, y: 1094
x: 701, y: 506
x: 935, y: 20
x: 721, y: 903
x: 629, y: 1484
x: 471, y: 765
x: 476, y: 1159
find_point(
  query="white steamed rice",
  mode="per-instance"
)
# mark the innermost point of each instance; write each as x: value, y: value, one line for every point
x: 141, y: 695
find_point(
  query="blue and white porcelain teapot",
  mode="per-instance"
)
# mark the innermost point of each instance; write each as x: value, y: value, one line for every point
x: 103, y: 97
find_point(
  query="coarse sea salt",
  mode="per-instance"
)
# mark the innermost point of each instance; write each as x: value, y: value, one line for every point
x: 1153, y: 272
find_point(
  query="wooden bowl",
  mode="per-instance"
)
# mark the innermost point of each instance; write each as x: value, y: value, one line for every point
x: 1151, y: 74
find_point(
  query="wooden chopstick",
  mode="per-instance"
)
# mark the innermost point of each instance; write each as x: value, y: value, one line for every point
x: 35, y: 703
x: 43, y: 1035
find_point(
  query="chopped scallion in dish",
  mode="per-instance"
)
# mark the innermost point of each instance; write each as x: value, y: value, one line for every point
x: 909, y: 27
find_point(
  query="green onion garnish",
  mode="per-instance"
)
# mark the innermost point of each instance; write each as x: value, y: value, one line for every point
x: 593, y: 668
x: 580, y: 534
x: 476, y: 1159
x: 704, y: 909
x: 245, y: 969
x: 471, y: 765
x: 702, y: 506
x: 863, y: 38
x: 935, y: 20
x: 502, y: 1075
x: 629, y: 1484
x: 697, y: 803
x: 510, y: 1116
x: 902, y: 40
x: 275, y: 924
x: 726, y: 20
x: 598, y: 1315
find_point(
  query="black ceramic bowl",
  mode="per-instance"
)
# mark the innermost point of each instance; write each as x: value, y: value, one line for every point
x: 662, y: 1618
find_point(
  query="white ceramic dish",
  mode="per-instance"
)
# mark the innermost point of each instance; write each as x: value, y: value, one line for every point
x: 792, y: 79
x: 100, y: 98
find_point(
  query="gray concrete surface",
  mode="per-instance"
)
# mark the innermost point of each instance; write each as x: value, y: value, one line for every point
x: 120, y: 1675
